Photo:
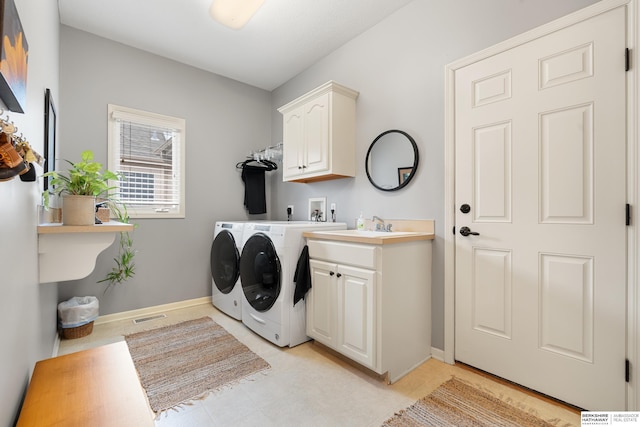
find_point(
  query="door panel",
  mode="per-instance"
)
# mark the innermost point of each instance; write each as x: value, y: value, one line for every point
x: 356, y: 302
x: 566, y: 165
x: 316, y: 122
x: 492, y: 312
x: 320, y: 302
x: 293, y: 151
x: 540, y: 154
x: 566, y: 305
x: 492, y: 192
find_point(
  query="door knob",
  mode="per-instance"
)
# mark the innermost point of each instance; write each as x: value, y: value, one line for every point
x: 465, y: 209
x: 465, y: 231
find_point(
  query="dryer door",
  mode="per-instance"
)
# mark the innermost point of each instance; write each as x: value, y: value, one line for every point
x: 225, y: 261
x: 260, y: 272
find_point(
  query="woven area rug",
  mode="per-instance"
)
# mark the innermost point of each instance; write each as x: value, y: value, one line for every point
x: 456, y: 403
x: 181, y: 362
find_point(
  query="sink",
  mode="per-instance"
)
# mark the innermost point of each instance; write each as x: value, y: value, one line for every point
x: 369, y: 236
x: 370, y: 233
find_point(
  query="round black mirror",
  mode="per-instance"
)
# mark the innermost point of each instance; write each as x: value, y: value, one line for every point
x: 392, y: 160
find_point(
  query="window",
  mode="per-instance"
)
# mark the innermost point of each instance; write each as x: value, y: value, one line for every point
x: 147, y: 149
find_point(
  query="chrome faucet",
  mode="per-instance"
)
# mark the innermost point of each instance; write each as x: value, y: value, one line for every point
x: 380, y: 225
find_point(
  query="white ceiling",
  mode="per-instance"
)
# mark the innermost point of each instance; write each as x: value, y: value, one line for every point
x: 282, y: 39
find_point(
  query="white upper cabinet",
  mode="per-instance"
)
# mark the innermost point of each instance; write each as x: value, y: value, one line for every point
x: 319, y: 135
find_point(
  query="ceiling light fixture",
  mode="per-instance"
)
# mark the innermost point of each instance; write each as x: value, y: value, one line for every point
x: 234, y: 13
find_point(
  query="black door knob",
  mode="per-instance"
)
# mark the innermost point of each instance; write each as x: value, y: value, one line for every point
x: 465, y: 209
x: 466, y: 231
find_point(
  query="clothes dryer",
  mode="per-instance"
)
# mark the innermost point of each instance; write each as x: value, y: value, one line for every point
x: 226, y: 292
x: 270, y: 254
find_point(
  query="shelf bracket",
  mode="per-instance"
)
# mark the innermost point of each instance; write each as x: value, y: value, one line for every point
x: 70, y: 253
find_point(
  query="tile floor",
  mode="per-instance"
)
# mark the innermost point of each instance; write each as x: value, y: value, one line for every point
x: 308, y: 385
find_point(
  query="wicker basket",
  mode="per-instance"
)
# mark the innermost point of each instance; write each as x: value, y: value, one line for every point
x: 103, y: 214
x: 77, y: 332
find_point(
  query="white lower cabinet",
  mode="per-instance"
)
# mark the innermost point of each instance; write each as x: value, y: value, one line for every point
x: 372, y: 303
x: 341, y: 309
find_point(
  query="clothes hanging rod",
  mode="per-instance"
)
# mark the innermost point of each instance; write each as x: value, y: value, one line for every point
x: 267, y: 150
x: 271, y: 147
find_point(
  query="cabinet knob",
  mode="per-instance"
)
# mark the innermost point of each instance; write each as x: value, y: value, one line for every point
x: 338, y: 275
x: 331, y: 273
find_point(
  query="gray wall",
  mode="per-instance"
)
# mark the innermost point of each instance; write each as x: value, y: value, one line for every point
x: 224, y: 119
x: 398, y: 68
x: 28, y: 309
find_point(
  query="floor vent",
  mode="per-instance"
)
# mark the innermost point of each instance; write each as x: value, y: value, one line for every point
x: 146, y: 319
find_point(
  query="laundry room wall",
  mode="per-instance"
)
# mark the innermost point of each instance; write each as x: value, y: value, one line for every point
x: 225, y: 120
x: 398, y: 68
x: 27, y: 308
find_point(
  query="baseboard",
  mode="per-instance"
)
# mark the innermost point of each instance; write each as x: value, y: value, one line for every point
x: 437, y: 354
x: 132, y: 314
x: 56, y: 345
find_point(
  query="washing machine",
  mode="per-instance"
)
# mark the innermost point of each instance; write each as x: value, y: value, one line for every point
x: 226, y: 292
x: 270, y: 254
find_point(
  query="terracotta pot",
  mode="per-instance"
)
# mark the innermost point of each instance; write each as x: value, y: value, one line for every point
x: 78, y: 210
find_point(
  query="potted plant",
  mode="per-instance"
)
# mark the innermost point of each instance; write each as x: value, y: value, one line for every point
x: 85, y: 181
x: 79, y: 187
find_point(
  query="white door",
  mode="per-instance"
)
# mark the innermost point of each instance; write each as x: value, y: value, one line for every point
x: 540, y: 165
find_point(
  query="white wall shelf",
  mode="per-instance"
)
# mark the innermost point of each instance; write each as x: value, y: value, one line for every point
x: 67, y: 252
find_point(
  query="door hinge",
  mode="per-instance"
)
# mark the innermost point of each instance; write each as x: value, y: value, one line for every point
x: 454, y: 229
x: 627, y: 59
x: 628, y: 214
x: 627, y: 370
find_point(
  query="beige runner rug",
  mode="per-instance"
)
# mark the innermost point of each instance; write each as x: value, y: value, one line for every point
x: 181, y: 362
x: 456, y: 403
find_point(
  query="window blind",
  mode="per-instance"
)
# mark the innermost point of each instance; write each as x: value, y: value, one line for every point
x: 147, y: 151
x: 147, y: 164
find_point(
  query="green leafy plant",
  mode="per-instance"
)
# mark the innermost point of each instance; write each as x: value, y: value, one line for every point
x: 88, y: 178
x: 124, y: 266
x: 84, y: 178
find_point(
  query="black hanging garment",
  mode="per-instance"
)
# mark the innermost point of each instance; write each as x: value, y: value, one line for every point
x: 302, y: 276
x: 254, y: 194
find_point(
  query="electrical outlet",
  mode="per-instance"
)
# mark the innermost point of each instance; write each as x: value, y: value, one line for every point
x: 333, y: 207
x: 290, y: 207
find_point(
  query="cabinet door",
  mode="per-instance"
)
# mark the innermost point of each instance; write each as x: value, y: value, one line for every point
x: 321, y: 303
x: 356, y: 314
x: 316, y: 134
x: 293, y: 147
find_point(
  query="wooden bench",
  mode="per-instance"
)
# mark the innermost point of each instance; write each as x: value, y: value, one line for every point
x: 98, y: 387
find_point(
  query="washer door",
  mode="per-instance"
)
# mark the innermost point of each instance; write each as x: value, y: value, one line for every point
x: 260, y: 272
x: 225, y: 261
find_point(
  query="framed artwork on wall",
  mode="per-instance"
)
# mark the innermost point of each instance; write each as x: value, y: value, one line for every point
x: 14, y: 53
x: 49, y: 136
x: 403, y: 174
